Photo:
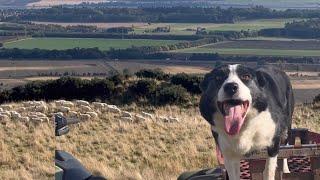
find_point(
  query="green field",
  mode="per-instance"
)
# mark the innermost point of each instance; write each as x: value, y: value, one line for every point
x: 68, y: 43
x: 181, y: 28
x: 258, y: 52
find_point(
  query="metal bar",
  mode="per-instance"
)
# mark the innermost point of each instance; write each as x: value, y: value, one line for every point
x: 298, y: 176
x: 312, y: 150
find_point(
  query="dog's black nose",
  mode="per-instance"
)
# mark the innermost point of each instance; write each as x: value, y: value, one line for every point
x: 231, y: 88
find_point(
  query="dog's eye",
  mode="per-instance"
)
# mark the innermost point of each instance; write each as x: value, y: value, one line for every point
x: 246, y: 77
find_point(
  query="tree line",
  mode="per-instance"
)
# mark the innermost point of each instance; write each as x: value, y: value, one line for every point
x: 152, y: 87
x: 157, y: 14
x: 136, y: 53
x: 118, y: 89
x: 298, y: 29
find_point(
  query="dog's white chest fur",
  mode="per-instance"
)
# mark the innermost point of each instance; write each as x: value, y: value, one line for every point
x: 256, y: 134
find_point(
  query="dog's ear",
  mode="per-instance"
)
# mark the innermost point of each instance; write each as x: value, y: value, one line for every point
x: 261, y: 78
x: 205, y: 83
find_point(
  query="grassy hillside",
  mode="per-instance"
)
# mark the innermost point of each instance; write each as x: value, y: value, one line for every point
x: 102, y: 44
x: 117, y: 149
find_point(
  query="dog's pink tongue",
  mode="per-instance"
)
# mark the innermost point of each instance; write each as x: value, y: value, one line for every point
x: 233, y: 121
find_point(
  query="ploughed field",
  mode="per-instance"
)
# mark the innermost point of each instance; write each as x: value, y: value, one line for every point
x: 69, y: 43
x: 13, y: 73
x: 261, y: 48
x: 266, y: 44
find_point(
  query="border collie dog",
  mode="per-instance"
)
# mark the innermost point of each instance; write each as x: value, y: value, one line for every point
x: 249, y: 110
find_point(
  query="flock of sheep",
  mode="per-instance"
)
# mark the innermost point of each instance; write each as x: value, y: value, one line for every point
x: 40, y: 111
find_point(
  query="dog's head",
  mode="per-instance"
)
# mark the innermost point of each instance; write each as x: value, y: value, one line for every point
x: 231, y: 95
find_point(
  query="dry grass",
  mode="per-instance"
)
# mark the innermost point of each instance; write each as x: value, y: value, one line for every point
x: 306, y: 84
x: 26, y: 151
x: 148, y: 150
x: 121, y: 150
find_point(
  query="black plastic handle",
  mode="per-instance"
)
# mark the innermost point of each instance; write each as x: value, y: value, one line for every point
x: 72, y: 168
x: 62, y: 123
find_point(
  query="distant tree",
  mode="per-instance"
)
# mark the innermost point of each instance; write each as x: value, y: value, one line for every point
x: 190, y: 82
x: 143, y: 88
x: 171, y: 94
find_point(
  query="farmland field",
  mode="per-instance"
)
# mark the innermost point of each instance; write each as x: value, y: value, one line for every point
x: 261, y: 47
x: 181, y: 28
x: 258, y: 52
x: 99, y: 25
x: 60, y: 2
x: 69, y: 43
x: 276, y: 39
x: 264, y: 44
x: 19, y: 69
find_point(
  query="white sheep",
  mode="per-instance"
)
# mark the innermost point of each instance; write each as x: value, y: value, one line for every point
x: 39, y: 114
x: 37, y: 119
x: 69, y: 104
x: 126, y: 114
x: 24, y: 119
x: 41, y: 108
x: 173, y: 119
x: 15, y: 114
x: 63, y: 109
x: 64, y: 103
x: 38, y: 103
x: 7, y: 107
x: 84, y: 117
x: 73, y: 114
x: 1, y: 109
x: 27, y: 103
x: 58, y: 102
x: 140, y: 118
x: 32, y: 116
x: 44, y: 119
x: 92, y: 114
x: 98, y: 105
x: 6, y: 113
x: 58, y: 113
x: 82, y: 102
x: 113, y: 109
x: 147, y: 115
x: 4, y: 117
x: 127, y: 119
x: 85, y: 108
x: 21, y: 109
x: 164, y: 119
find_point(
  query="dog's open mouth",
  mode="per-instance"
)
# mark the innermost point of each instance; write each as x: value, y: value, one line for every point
x: 234, y: 112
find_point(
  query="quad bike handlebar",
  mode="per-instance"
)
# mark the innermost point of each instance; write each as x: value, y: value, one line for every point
x: 68, y: 167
